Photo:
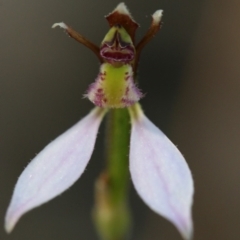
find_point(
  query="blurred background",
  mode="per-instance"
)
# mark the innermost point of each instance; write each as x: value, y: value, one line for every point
x: 190, y: 72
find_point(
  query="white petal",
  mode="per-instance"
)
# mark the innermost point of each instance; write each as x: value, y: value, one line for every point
x: 157, y: 16
x: 122, y: 9
x: 160, y: 174
x: 60, y: 24
x: 55, y: 168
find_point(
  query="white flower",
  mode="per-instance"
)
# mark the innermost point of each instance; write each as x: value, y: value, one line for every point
x: 159, y: 172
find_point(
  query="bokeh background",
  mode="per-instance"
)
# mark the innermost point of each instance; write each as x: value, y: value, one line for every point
x: 190, y: 72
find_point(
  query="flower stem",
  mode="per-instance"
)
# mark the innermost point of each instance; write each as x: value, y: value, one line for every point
x: 111, y: 212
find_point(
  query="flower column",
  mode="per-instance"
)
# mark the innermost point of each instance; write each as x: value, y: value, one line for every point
x: 111, y: 212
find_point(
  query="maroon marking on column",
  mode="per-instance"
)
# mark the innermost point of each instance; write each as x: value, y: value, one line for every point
x: 127, y: 91
x: 115, y: 54
x: 127, y: 102
x: 98, y: 99
x: 102, y: 73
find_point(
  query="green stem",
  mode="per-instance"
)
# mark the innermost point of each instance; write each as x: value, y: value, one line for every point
x: 117, y: 149
x: 111, y: 212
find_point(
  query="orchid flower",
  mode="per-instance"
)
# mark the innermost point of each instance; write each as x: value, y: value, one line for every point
x: 158, y: 170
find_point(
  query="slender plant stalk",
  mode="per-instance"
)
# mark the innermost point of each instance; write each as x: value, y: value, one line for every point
x: 111, y: 212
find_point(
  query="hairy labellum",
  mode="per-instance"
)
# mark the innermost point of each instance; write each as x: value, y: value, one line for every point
x: 114, y: 87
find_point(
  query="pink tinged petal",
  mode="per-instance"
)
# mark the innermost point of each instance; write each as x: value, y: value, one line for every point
x: 160, y: 173
x: 55, y: 168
